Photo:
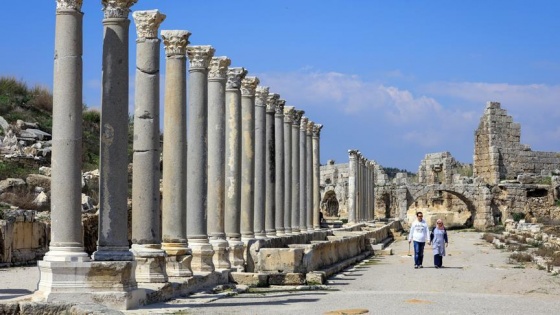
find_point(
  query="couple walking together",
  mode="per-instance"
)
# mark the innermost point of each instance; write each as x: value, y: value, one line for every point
x: 437, y: 237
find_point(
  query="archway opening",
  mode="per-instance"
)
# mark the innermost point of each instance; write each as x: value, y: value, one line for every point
x: 455, y: 209
x: 329, y: 205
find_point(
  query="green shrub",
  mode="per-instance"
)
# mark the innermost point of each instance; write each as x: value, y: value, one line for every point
x: 517, y: 216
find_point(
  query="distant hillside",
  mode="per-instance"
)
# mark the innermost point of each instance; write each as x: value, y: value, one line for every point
x: 392, y: 172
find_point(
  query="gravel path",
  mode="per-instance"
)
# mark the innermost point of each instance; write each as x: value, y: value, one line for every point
x: 477, y: 279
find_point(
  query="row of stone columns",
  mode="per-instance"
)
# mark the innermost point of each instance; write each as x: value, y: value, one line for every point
x: 244, y: 166
x: 360, y: 188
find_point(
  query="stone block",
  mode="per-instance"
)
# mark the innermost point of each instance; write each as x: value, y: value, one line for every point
x: 280, y: 259
x: 250, y: 279
x: 286, y: 279
x: 316, y: 277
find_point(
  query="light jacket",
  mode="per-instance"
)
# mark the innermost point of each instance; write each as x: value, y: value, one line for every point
x: 419, y: 231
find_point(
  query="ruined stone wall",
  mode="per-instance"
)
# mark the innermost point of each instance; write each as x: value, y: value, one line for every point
x: 23, y: 239
x: 334, y: 187
x: 498, y: 153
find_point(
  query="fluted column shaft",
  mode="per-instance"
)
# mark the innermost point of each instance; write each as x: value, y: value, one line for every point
x: 309, y: 176
x: 260, y: 166
x: 316, y: 175
x: 66, y: 224
x: 352, y: 180
x: 289, y: 114
x: 279, y: 166
x: 197, y: 157
x: 303, y: 174
x: 217, y: 76
x: 296, y: 211
x: 270, y: 165
x: 174, y: 215
x: 112, y: 243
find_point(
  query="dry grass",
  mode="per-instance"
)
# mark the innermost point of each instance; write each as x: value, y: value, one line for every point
x: 521, y: 257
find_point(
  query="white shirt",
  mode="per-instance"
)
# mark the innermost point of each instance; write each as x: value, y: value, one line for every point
x: 419, y: 231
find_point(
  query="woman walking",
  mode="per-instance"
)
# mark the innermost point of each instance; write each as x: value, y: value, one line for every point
x: 438, y: 239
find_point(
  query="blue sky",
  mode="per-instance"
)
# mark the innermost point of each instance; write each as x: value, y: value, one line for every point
x: 395, y: 79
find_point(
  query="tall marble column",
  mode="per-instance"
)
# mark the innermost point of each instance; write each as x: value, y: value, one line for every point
x: 309, y: 176
x: 279, y: 166
x: 270, y: 164
x: 260, y: 164
x: 352, y: 181
x: 197, y: 158
x: 316, y: 175
x: 174, y: 201
x: 146, y: 211
x: 303, y: 174
x: 112, y: 243
x: 217, y: 75
x: 296, y: 211
x: 289, y: 114
x: 66, y: 223
x: 234, y: 214
x: 248, y: 90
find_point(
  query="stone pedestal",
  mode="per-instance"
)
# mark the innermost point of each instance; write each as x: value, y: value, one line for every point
x: 236, y: 255
x: 202, y: 256
x: 150, y: 263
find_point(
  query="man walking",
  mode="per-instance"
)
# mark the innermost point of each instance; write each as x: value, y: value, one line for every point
x: 419, y: 233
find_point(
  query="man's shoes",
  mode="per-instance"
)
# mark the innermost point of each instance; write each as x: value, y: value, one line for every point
x: 436, y: 267
x: 415, y: 266
x: 420, y: 266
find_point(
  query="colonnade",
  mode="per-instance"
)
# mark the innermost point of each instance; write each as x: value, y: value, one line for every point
x: 361, y: 182
x: 243, y: 167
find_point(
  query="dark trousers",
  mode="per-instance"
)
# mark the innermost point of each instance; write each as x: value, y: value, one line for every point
x: 418, y: 253
x: 438, y: 260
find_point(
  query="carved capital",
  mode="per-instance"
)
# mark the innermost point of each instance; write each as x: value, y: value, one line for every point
x: 296, y: 118
x: 234, y: 77
x: 147, y: 23
x: 310, y: 126
x: 353, y: 154
x: 289, y: 113
x: 261, y: 94
x: 280, y: 107
x: 249, y: 86
x: 175, y: 42
x: 218, y: 68
x: 200, y: 56
x: 303, y: 123
x: 317, y: 130
x: 69, y: 5
x: 271, y: 102
x: 117, y: 8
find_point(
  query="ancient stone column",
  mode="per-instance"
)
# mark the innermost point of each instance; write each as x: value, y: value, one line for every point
x: 303, y: 174
x: 146, y: 211
x: 260, y: 164
x: 197, y: 158
x: 279, y: 166
x: 174, y: 216
x: 309, y: 176
x: 112, y: 243
x: 352, y: 170
x: 316, y: 175
x: 289, y: 114
x: 248, y: 90
x: 270, y: 164
x: 217, y: 75
x: 66, y: 229
x: 296, y: 211
x: 234, y: 213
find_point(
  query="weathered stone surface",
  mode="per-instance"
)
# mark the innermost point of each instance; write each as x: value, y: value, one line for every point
x: 286, y: 279
x: 250, y: 279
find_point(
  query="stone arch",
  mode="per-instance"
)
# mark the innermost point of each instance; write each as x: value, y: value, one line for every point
x: 329, y: 204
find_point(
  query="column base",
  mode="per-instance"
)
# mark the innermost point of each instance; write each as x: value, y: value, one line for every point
x: 288, y: 231
x: 296, y: 231
x: 221, y: 253
x: 260, y: 236
x: 68, y: 254
x: 109, y: 283
x: 280, y: 232
x: 178, y: 260
x: 150, y: 263
x: 112, y: 254
x: 236, y: 248
x: 271, y: 233
x: 202, y: 254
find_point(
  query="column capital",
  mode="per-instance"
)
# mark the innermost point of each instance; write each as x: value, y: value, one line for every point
x: 218, y: 68
x: 289, y: 114
x: 261, y: 95
x: 147, y: 23
x: 200, y: 56
x: 303, y: 123
x: 234, y: 77
x: 280, y: 107
x: 271, y: 100
x: 117, y: 9
x: 297, y: 116
x: 69, y: 5
x: 175, y: 42
x: 353, y: 154
x: 317, y: 130
x: 310, y: 126
x: 249, y: 86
